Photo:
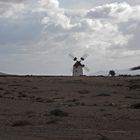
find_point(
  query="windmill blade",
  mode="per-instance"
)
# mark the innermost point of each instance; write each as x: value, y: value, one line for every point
x: 135, y: 68
x: 84, y: 56
x: 73, y: 57
x: 87, y: 69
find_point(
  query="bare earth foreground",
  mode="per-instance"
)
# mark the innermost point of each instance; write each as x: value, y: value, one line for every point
x: 69, y: 108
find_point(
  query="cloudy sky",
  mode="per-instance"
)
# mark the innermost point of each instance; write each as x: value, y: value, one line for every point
x: 37, y: 36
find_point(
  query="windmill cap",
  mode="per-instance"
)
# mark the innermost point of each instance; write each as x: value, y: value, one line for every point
x: 77, y: 64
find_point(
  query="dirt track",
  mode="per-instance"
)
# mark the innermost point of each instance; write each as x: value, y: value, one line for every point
x: 69, y: 108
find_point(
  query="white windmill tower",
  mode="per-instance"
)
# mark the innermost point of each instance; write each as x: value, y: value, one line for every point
x: 78, y: 67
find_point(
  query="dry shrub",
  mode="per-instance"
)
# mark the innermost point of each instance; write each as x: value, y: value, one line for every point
x: 59, y: 113
x: 53, y: 121
x: 29, y: 113
x: 83, y: 91
x: 104, y: 137
x: 1, y: 88
x: 7, y: 93
x: 133, y: 87
x: 103, y: 94
x: 135, y: 106
x: 21, y: 123
x: 20, y: 94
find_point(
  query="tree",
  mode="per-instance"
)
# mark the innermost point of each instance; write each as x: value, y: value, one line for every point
x: 112, y: 73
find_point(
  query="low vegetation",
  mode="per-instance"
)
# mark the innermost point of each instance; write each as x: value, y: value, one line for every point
x: 112, y: 73
x: 53, y: 121
x: 104, y: 94
x: 136, y: 106
x: 21, y: 123
x: 83, y: 91
x: 59, y: 113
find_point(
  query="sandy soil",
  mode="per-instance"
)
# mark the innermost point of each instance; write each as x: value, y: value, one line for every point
x: 69, y: 108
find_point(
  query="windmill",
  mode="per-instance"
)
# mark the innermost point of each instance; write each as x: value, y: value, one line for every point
x: 78, y: 66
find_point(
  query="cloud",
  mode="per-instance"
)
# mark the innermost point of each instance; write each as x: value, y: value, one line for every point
x: 120, y: 12
x: 20, y: 29
x: 11, y: 9
x: 13, y: 1
x: 99, y: 28
x: 55, y: 14
x: 109, y: 32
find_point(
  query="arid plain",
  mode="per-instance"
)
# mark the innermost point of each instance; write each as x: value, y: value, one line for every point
x: 69, y: 108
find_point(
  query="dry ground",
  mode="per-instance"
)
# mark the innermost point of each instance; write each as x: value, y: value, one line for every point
x: 69, y: 108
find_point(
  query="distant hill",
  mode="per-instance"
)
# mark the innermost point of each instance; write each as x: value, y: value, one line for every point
x: 136, y: 68
x: 1, y: 73
x: 118, y: 72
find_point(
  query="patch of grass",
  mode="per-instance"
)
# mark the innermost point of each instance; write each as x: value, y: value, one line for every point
x: 39, y: 99
x: 111, y: 104
x: 83, y: 104
x: 119, y: 85
x: 53, y: 121
x: 103, y: 94
x: 92, y: 105
x: 103, y: 137
x: 135, y: 106
x: 32, y: 97
x: 59, y: 113
x: 73, y: 100
x: 130, y: 97
x: 34, y: 87
x: 29, y: 113
x: 49, y: 100
x: 77, y: 103
x: 17, y: 85
x: 1, y: 88
x: 134, y: 87
x: 83, y: 91
x: 20, y: 94
x: 20, y: 123
x: 7, y: 93
x: 102, y: 109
